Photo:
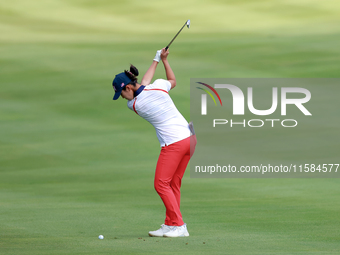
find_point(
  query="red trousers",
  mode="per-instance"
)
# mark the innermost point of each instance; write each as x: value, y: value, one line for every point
x: 170, y: 169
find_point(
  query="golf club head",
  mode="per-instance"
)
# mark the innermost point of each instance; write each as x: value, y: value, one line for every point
x: 188, y: 23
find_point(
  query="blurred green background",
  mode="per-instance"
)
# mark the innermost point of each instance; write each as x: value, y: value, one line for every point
x: 74, y: 164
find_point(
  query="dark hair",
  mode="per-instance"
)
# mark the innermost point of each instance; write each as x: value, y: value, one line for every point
x: 132, y: 74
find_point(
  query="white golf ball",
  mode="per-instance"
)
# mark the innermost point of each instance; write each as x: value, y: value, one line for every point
x: 101, y: 237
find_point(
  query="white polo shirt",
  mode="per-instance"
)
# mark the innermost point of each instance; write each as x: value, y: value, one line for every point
x: 156, y: 106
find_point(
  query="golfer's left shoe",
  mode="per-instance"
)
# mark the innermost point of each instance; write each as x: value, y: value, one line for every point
x: 177, y: 231
x: 160, y: 232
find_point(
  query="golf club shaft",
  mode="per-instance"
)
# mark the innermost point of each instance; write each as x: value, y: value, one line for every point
x: 167, y: 47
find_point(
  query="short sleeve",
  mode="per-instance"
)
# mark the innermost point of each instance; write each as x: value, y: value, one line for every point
x: 162, y: 84
x: 130, y: 104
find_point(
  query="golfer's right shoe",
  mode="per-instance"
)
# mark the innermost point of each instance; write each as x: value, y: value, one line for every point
x: 177, y: 231
x: 160, y: 232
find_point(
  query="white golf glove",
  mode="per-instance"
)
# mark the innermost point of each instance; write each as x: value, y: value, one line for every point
x: 158, y: 56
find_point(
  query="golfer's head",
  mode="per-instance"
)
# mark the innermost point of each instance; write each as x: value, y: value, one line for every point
x: 123, y: 79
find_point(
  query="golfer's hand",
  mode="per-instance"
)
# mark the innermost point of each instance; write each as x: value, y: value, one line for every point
x: 164, y: 54
x: 158, y: 56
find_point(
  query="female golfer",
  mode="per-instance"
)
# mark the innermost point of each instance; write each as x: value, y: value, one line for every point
x: 153, y: 103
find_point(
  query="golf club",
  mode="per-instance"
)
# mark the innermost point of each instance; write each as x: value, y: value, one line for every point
x: 187, y: 23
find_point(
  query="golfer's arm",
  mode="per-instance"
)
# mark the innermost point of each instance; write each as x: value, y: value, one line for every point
x: 149, y: 74
x: 169, y: 73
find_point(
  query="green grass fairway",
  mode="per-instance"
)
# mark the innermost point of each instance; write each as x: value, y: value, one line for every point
x: 74, y: 164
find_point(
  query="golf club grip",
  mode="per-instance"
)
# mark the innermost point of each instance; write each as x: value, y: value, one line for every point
x: 166, y: 48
